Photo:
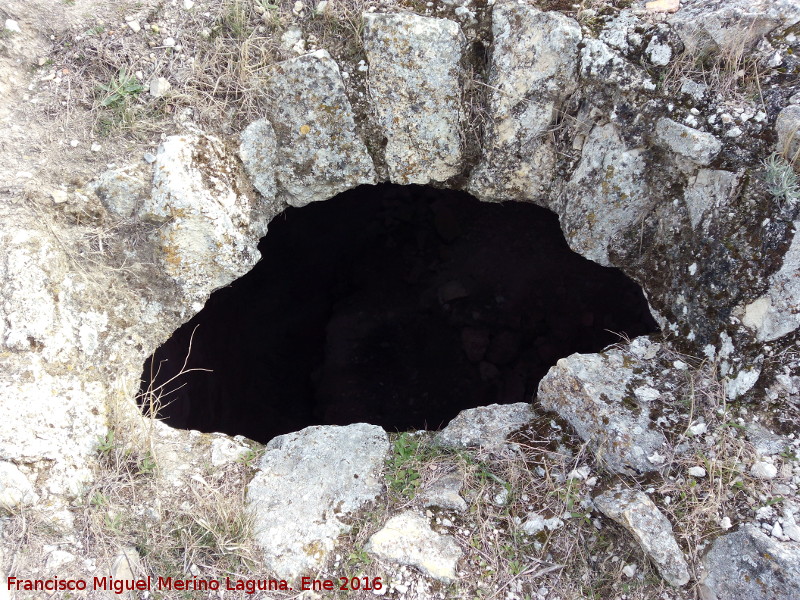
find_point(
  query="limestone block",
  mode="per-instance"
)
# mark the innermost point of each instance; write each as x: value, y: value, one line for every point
x: 15, y: 489
x: 533, y: 70
x: 408, y: 539
x: 749, y: 565
x: 259, y: 153
x: 636, y: 512
x: 777, y: 312
x: 122, y: 190
x: 606, y: 398
x: 697, y: 146
x: 602, y: 64
x: 415, y: 78
x: 485, y: 426
x: 787, y: 126
x: 444, y: 493
x: 730, y: 26
x: 318, y: 152
x: 308, y: 483
x: 52, y: 419
x: 605, y: 194
x: 709, y: 189
x: 211, y: 222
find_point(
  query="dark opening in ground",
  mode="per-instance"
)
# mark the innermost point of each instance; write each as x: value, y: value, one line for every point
x: 397, y: 306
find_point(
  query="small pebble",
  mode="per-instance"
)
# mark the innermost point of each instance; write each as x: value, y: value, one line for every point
x: 74, y: 143
x: 697, y: 472
x: 763, y: 470
x: 793, y: 531
x: 169, y: 42
x: 777, y: 530
x: 96, y: 147
x: 12, y: 25
x: 733, y: 132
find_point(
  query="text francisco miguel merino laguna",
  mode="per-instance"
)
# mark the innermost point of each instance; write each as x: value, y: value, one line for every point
x: 120, y: 586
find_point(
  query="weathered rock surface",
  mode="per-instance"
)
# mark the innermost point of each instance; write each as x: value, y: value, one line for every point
x: 749, y: 565
x: 258, y: 150
x: 308, y: 482
x: 415, y: 79
x: 15, y: 489
x: 606, y: 398
x: 408, y: 539
x: 729, y: 26
x: 604, y: 65
x: 708, y: 190
x: 636, y: 512
x: 319, y: 153
x: 444, y: 493
x: 697, y: 146
x: 122, y: 190
x: 211, y: 223
x: 485, y: 426
x: 534, y: 68
x: 604, y: 195
x: 787, y: 126
x: 777, y: 312
x: 53, y: 424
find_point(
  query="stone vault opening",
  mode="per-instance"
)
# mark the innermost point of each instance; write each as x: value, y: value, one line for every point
x: 398, y: 306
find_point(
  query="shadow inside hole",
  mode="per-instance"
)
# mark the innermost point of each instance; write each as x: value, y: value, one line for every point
x: 393, y: 305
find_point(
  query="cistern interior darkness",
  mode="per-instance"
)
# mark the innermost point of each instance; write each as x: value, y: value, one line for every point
x: 393, y: 305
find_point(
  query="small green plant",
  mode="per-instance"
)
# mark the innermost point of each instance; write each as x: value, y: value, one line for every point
x: 405, y: 478
x: 106, y: 443
x: 248, y: 458
x: 120, y: 90
x: 359, y: 557
x: 113, y: 523
x: 781, y: 179
x: 99, y: 499
x: 147, y: 466
x: 236, y: 19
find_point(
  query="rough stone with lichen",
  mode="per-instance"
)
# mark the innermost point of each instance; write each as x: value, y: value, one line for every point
x: 605, y: 195
x: 787, y: 126
x: 697, y: 146
x: 415, y: 79
x: 636, y: 512
x: 408, y: 539
x: 308, y: 484
x: 777, y: 312
x: 729, y: 27
x: 606, y: 398
x: 485, y: 426
x: 319, y: 153
x: 749, y: 565
x: 533, y: 70
x: 210, y: 220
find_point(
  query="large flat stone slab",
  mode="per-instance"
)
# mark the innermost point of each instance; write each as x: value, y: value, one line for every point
x: 750, y: 565
x: 534, y: 69
x: 408, y: 539
x: 486, y: 426
x: 319, y: 153
x: 606, y: 398
x: 415, y: 78
x: 210, y: 223
x: 605, y: 194
x: 308, y: 482
x: 652, y: 530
